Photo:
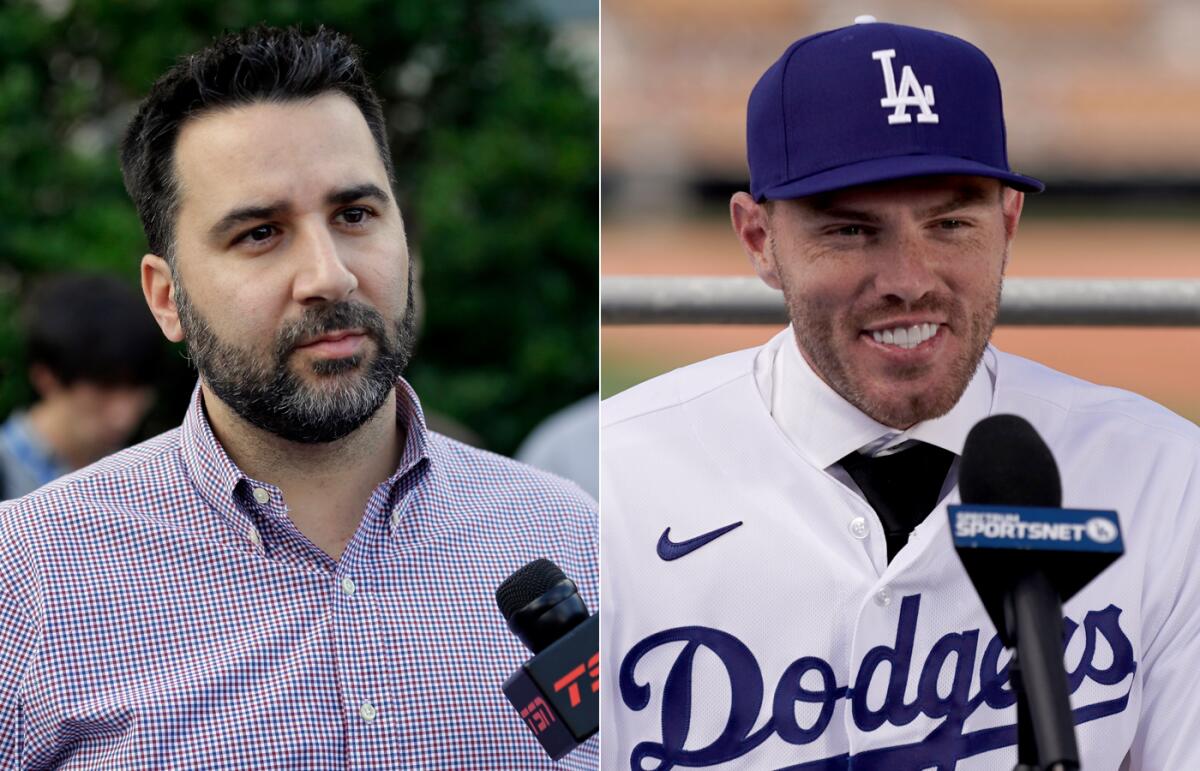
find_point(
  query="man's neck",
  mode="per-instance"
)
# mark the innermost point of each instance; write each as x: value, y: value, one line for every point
x: 326, y: 486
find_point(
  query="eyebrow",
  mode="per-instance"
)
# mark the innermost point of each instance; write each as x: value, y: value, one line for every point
x: 256, y: 212
x: 357, y: 193
x: 963, y: 198
x: 835, y: 212
x: 242, y: 214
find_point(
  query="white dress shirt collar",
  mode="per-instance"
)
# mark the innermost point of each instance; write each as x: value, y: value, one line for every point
x: 825, y: 427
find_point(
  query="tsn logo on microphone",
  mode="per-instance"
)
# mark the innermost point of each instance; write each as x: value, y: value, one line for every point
x: 539, y: 717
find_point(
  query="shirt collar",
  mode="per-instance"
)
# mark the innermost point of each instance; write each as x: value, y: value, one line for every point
x: 825, y: 427
x: 217, y: 477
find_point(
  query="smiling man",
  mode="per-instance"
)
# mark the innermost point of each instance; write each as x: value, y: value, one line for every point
x: 781, y: 590
x: 301, y: 575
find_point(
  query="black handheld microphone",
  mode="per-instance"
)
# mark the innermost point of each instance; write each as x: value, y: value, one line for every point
x: 1026, y: 555
x: 557, y: 692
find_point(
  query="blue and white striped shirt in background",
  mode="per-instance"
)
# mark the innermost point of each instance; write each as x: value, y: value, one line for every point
x: 26, y: 463
x: 160, y: 610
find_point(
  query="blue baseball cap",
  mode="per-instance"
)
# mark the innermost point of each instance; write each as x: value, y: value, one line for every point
x: 875, y: 102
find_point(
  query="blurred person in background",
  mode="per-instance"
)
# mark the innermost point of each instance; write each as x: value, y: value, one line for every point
x: 92, y: 353
x: 567, y: 443
x: 302, y: 574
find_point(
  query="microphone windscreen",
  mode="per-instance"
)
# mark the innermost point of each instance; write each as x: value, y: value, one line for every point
x: 1006, y: 463
x: 526, y: 585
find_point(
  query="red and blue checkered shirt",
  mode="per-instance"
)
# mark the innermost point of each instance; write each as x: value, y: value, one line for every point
x: 160, y: 610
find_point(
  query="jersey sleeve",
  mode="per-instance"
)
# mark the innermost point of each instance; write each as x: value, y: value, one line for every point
x: 1166, y: 735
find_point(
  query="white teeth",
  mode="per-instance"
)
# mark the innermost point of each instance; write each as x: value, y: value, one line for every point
x: 905, y: 337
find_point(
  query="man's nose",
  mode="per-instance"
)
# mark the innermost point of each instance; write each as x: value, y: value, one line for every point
x: 323, y: 274
x: 904, y: 270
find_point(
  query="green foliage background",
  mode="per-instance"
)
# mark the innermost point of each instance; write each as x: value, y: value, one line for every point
x: 494, y: 137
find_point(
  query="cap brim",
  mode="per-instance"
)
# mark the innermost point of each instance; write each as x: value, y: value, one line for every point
x: 891, y: 169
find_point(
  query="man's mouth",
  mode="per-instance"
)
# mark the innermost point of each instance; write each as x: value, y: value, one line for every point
x: 902, y: 335
x: 338, y: 344
x: 906, y: 336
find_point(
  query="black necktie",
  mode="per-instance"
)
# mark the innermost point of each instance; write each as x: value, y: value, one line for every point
x: 902, y: 487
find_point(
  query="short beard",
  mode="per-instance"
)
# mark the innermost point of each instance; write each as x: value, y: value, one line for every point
x: 814, y: 331
x: 266, y: 393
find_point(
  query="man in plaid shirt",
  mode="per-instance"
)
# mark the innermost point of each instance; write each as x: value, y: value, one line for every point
x: 301, y: 575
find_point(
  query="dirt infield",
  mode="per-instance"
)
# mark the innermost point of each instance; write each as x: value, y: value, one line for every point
x: 1163, y: 364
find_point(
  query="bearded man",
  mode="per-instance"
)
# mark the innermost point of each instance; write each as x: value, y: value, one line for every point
x: 781, y: 589
x: 301, y: 575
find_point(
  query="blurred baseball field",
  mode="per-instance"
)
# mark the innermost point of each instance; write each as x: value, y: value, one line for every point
x: 1102, y: 101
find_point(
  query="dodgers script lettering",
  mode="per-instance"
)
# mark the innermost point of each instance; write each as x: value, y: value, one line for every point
x: 942, y: 748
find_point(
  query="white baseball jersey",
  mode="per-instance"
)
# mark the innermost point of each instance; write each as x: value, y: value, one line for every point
x: 788, y: 642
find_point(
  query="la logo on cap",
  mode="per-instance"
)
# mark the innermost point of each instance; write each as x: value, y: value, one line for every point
x: 911, y: 93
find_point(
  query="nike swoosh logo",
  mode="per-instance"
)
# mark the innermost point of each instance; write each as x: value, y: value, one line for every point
x: 669, y: 550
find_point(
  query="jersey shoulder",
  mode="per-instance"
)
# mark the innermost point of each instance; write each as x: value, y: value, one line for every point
x: 1081, y: 406
x: 676, y: 388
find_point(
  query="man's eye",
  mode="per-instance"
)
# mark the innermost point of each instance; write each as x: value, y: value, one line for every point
x: 951, y: 224
x: 851, y: 230
x: 355, y: 215
x: 258, y: 234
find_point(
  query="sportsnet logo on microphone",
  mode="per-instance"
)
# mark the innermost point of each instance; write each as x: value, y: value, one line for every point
x: 985, y: 526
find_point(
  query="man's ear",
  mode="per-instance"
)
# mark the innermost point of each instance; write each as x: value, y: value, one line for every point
x: 159, y: 290
x: 1012, y: 203
x: 44, y: 381
x: 752, y: 225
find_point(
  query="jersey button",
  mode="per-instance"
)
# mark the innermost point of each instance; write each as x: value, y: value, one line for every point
x: 858, y: 528
x: 883, y: 597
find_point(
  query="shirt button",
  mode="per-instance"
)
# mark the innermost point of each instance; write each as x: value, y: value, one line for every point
x: 858, y: 528
x: 261, y: 495
x: 348, y: 588
x: 883, y: 597
x: 254, y: 537
x: 395, y: 519
x: 367, y: 711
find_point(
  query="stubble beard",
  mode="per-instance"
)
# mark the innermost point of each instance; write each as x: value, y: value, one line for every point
x: 264, y: 390
x: 814, y: 329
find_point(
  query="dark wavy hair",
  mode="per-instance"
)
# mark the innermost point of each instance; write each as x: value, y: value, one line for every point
x: 259, y: 64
